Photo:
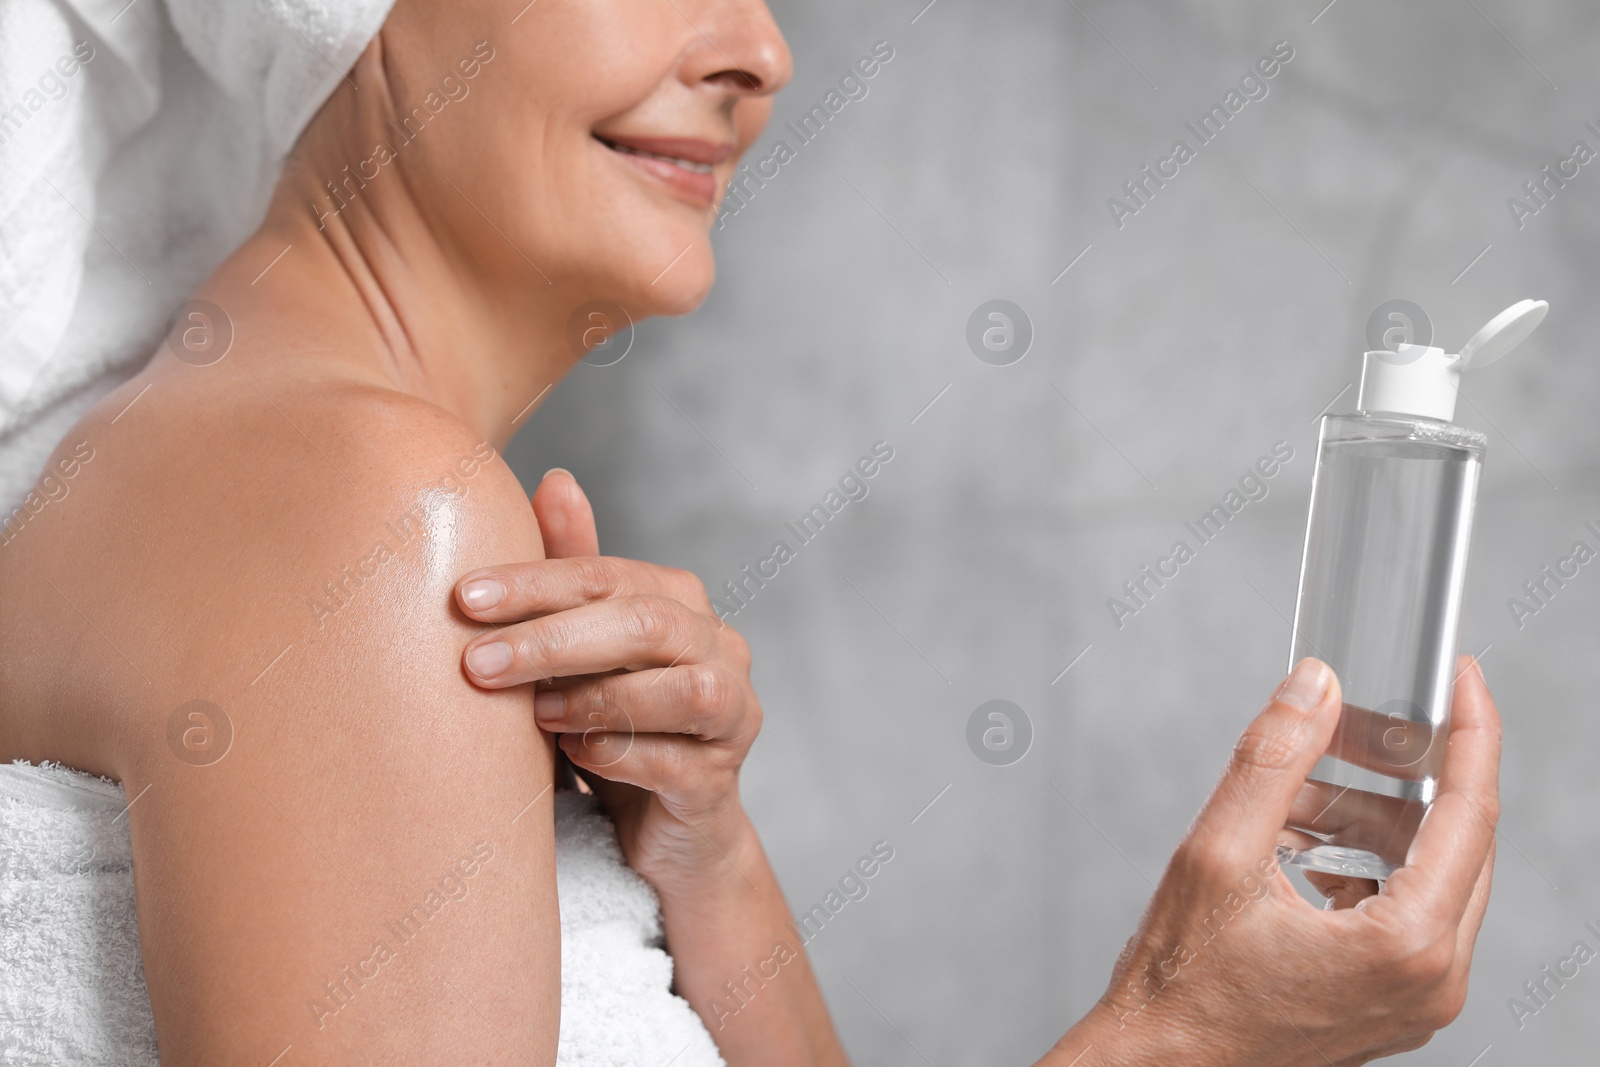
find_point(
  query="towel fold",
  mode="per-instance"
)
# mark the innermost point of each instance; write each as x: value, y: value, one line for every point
x: 72, y: 988
x: 139, y: 144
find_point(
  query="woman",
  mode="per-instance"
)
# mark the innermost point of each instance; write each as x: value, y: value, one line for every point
x: 280, y: 533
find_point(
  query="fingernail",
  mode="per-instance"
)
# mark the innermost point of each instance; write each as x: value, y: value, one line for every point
x: 481, y: 594
x: 557, y: 470
x: 549, y: 705
x: 1306, y: 684
x: 489, y: 660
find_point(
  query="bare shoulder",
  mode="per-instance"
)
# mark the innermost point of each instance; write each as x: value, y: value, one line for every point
x: 253, y: 587
x: 204, y: 528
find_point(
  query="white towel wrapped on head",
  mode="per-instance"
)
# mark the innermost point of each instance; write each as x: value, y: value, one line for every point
x: 139, y: 145
x: 72, y: 990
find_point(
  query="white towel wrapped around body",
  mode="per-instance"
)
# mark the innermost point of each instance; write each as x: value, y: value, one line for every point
x: 72, y: 990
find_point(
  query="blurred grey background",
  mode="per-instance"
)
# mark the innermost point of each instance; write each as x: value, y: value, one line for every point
x: 1224, y: 316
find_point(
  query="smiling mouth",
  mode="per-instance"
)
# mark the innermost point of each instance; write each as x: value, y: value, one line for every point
x: 682, y: 167
x: 690, y: 165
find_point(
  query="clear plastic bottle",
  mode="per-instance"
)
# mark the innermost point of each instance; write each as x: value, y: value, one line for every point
x: 1381, y: 585
x: 1380, y: 599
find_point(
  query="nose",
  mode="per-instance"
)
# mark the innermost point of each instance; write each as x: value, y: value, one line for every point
x: 738, y: 48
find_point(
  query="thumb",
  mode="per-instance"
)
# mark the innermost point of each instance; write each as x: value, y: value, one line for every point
x: 1271, y: 760
x: 566, y: 521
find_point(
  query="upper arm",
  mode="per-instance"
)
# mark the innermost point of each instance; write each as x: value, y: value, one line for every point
x: 367, y: 874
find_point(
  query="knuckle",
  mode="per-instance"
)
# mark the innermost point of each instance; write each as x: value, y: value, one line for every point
x: 691, y: 588
x: 675, y: 775
x: 705, y: 690
x: 1208, y: 860
x: 651, y: 621
x: 540, y: 644
x: 708, y: 768
x: 597, y: 577
x: 719, y: 707
x: 738, y: 648
x: 726, y: 762
x: 1423, y: 961
x: 602, y: 707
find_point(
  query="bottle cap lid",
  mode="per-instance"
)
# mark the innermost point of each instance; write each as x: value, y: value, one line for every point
x: 1504, y: 332
x: 1424, y: 380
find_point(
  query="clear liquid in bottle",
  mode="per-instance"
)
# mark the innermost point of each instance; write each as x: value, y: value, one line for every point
x: 1380, y: 601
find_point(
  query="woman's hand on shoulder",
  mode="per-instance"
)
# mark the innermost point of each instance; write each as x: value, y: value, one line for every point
x: 648, y: 689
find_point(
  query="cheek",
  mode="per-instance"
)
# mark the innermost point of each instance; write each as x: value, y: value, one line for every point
x: 532, y: 111
x: 598, y: 59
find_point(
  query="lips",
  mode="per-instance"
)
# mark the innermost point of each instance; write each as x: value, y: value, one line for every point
x: 684, y: 166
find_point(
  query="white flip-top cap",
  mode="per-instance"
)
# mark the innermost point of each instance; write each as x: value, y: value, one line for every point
x: 1424, y: 380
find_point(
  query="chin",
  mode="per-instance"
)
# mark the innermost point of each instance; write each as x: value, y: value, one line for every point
x: 686, y: 286
x: 658, y: 236
x: 647, y: 291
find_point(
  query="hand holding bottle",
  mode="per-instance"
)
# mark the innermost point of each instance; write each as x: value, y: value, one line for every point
x: 1230, y: 965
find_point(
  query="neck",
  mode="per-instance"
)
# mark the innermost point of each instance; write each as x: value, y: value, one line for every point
x: 362, y: 285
